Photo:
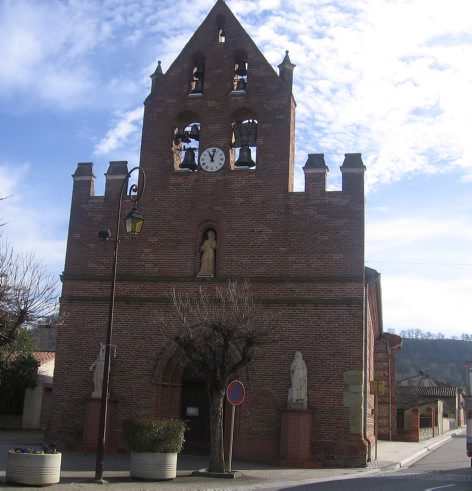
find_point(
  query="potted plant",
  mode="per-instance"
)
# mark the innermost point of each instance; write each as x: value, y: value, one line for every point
x: 36, y: 467
x: 154, y: 444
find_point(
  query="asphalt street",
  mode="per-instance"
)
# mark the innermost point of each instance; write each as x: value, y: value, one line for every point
x: 446, y: 468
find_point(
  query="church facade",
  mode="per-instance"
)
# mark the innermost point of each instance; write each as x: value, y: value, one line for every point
x: 218, y: 154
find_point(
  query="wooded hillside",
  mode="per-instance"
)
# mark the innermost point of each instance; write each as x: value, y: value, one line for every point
x: 442, y: 359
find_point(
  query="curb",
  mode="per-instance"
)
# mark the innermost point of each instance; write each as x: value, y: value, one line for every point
x: 405, y: 463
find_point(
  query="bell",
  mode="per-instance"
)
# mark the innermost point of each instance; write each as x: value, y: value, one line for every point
x: 241, y: 69
x: 189, y: 160
x: 197, y: 86
x: 241, y: 84
x: 198, y: 71
x: 194, y: 132
x: 245, y: 134
x: 245, y: 159
x: 181, y: 135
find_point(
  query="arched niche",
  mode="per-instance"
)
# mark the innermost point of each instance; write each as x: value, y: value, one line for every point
x: 208, y: 245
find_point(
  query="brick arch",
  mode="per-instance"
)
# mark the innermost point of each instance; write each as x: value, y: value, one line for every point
x: 187, y: 117
x: 242, y: 114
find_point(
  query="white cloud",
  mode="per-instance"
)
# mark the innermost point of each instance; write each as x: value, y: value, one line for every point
x: 125, y: 130
x: 29, y: 227
x: 364, y: 68
x: 438, y: 305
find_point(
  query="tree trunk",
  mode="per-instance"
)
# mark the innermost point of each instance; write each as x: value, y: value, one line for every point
x: 217, y: 452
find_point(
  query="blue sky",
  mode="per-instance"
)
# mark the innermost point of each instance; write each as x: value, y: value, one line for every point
x: 389, y: 78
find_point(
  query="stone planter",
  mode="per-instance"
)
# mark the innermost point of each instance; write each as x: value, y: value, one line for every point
x: 153, y: 466
x: 33, y: 469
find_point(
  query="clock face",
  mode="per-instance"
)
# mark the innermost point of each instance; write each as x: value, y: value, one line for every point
x: 212, y: 159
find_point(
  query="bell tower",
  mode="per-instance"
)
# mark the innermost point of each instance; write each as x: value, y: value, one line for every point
x: 220, y: 113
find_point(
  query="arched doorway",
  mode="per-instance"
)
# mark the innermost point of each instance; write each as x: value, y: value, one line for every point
x: 196, y: 411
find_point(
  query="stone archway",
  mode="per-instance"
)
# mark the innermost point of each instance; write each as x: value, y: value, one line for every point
x: 181, y: 393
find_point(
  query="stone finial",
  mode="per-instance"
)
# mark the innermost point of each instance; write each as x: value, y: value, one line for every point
x: 156, y: 76
x: 353, y: 161
x: 116, y: 174
x: 315, y: 162
x: 286, y: 70
x: 315, y: 174
x: 117, y: 168
x: 84, y: 171
x: 353, y: 170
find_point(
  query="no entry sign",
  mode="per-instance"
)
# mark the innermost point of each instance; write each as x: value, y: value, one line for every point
x: 235, y: 393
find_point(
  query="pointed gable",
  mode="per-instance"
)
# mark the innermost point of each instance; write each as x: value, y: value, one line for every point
x: 219, y: 56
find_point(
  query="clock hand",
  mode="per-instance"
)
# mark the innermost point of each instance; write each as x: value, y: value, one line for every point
x: 212, y: 156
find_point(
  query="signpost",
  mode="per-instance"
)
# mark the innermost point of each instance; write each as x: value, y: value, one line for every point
x: 235, y: 393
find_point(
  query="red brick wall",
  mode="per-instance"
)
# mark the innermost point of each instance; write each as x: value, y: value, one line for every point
x: 303, y: 254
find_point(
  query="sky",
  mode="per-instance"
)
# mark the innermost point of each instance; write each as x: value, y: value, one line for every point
x: 391, y: 79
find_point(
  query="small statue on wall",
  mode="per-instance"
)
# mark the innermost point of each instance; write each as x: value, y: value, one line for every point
x: 207, y: 261
x: 297, y: 394
x: 97, y: 367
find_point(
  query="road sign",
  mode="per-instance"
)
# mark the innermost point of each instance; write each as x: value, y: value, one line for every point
x: 235, y: 393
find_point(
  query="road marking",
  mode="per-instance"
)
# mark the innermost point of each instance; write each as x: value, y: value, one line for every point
x: 441, y: 487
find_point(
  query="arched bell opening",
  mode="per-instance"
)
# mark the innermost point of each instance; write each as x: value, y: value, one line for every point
x: 244, y: 144
x: 197, y: 76
x: 240, y: 71
x: 186, y: 146
x: 221, y: 33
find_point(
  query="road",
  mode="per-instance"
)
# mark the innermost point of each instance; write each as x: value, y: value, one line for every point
x: 446, y: 468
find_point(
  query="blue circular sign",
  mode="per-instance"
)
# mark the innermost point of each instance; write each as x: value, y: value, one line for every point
x: 235, y: 393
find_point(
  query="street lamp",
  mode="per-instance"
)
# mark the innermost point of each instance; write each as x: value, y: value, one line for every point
x: 134, y: 223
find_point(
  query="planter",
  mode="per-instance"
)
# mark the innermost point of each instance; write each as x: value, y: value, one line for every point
x: 153, y: 466
x: 33, y: 469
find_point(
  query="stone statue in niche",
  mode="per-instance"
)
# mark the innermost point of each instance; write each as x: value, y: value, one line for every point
x: 97, y: 367
x: 297, y: 394
x: 207, y: 261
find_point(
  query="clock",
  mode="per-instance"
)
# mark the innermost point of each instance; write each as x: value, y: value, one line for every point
x: 212, y: 159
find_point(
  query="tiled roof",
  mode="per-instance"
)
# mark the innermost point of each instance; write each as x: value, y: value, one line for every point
x: 408, y: 397
x: 43, y: 357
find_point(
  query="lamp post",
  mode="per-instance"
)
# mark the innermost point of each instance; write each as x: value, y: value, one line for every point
x: 134, y: 223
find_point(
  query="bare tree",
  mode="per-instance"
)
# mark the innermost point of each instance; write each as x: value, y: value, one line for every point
x: 219, y: 332
x: 28, y: 294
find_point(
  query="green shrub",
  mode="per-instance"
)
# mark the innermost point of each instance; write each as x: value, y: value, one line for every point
x: 154, y: 435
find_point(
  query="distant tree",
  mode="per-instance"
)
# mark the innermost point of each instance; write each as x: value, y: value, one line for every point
x: 28, y: 295
x: 219, y: 332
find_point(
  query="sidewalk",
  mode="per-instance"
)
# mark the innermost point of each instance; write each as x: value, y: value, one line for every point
x: 78, y: 469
